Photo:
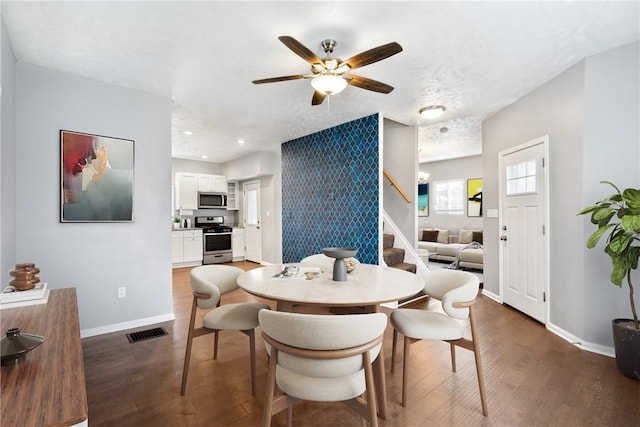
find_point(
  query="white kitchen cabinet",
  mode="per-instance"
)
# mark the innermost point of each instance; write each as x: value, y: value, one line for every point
x: 212, y: 183
x: 206, y: 183
x: 186, y: 190
x: 232, y: 196
x: 219, y: 183
x: 193, y: 249
x: 186, y: 247
x: 177, y: 247
x: 237, y: 244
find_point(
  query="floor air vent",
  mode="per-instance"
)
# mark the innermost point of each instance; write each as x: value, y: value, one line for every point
x: 146, y: 335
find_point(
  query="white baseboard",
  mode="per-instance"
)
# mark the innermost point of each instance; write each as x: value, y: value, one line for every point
x: 491, y: 295
x: 85, y: 333
x: 581, y: 344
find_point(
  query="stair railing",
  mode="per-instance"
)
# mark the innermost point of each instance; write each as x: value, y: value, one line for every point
x: 395, y: 184
x: 411, y: 255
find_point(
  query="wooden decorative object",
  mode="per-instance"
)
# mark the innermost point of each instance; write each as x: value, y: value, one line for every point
x: 24, y: 276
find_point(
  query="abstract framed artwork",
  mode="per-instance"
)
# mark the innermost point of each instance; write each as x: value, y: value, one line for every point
x: 96, y: 178
x: 423, y: 199
x: 474, y: 197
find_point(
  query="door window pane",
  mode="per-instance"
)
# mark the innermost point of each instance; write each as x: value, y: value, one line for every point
x: 521, y: 178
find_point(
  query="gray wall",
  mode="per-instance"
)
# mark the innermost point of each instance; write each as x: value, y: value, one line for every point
x: 7, y: 159
x: 444, y: 170
x: 612, y: 153
x: 400, y: 148
x: 96, y: 258
x: 579, y: 109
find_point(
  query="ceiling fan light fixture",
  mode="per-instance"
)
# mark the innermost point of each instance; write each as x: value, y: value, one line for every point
x: 432, y: 111
x: 329, y: 84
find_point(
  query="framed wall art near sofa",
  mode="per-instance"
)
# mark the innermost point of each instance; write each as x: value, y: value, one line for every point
x: 96, y: 178
x: 474, y: 197
x: 423, y: 199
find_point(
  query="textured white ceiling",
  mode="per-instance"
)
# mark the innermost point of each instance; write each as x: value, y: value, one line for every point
x: 472, y: 57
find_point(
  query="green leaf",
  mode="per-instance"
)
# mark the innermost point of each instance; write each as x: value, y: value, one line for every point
x: 631, y: 223
x: 593, y: 240
x: 604, y: 221
x: 587, y: 210
x: 620, y: 242
x: 620, y: 268
x: 602, y: 213
x: 631, y: 197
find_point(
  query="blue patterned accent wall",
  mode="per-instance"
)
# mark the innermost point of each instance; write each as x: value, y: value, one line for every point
x: 330, y: 191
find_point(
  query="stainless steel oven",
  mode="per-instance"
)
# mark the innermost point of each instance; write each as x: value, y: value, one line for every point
x: 216, y: 239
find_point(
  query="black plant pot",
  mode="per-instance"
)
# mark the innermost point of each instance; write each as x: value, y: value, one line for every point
x: 626, y: 340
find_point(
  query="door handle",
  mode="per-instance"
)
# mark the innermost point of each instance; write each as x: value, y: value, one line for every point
x: 257, y: 227
x: 503, y: 237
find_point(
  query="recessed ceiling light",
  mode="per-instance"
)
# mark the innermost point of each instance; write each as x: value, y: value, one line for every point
x: 187, y: 132
x: 204, y: 157
x: 241, y: 141
x: 432, y: 111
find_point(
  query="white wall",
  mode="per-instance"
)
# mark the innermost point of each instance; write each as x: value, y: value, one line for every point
x: 464, y: 168
x: 590, y: 113
x: 554, y: 109
x: 265, y: 167
x: 400, y: 151
x: 611, y: 153
x: 96, y: 258
x: 7, y: 160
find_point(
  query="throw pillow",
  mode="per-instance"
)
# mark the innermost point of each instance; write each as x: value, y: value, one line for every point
x: 465, y: 236
x: 430, y: 235
x: 443, y: 236
x: 477, y: 237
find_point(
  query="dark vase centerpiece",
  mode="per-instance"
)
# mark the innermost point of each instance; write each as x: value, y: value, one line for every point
x: 618, y: 217
x: 339, y: 265
x: 16, y: 345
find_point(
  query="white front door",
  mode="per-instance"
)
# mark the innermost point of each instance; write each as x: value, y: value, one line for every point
x: 252, y: 232
x: 523, y: 228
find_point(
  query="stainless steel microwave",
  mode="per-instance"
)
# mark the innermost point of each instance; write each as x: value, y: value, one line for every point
x: 212, y: 201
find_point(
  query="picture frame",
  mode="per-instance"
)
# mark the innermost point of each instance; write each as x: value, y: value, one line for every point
x: 423, y: 199
x: 96, y: 178
x: 474, y: 197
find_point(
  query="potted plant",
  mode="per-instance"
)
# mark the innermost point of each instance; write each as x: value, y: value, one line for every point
x: 176, y: 221
x: 618, y: 217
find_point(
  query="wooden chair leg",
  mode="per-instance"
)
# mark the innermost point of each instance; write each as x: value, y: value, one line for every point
x: 269, y: 391
x: 215, y: 345
x: 187, y: 353
x: 370, y: 391
x: 290, y: 416
x: 252, y: 352
x: 453, y: 357
x: 393, y: 350
x: 476, y: 353
x: 405, y: 370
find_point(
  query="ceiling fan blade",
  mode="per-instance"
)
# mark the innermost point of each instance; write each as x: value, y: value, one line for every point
x: 318, y: 98
x: 369, y: 84
x: 278, y: 79
x: 373, y: 55
x: 299, y: 49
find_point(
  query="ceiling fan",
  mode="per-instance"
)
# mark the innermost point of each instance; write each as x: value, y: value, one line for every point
x: 329, y: 75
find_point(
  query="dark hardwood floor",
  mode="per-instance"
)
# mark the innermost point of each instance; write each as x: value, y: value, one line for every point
x: 533, y: 378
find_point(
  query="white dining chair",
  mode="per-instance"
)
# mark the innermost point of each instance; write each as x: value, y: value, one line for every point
x: 209, y: 283
x: 457, y: 290
x: 321, y: 358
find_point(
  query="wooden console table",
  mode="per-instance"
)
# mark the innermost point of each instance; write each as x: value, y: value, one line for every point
x: 48, y: 387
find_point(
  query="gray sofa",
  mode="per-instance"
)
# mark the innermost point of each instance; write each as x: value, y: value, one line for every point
x: 444, y: 246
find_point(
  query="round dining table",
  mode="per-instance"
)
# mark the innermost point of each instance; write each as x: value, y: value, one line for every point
x: 366, y: 287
